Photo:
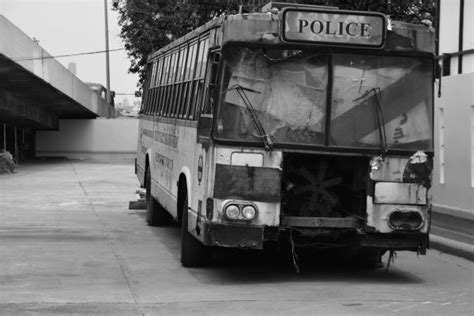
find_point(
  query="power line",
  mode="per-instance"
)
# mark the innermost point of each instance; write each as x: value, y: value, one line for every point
x: 70, y: 55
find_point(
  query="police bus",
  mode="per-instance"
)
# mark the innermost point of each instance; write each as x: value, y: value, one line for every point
x: 299, y: 122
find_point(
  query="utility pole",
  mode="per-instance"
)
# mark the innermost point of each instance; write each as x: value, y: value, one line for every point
x: 107, y: 61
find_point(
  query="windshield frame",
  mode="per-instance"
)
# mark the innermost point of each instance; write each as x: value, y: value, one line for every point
x: 327, y: 146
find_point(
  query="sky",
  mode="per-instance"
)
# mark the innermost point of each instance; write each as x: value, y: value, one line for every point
x: 76, y: 26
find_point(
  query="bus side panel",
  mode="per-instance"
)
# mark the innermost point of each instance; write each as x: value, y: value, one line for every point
x: 174, y: 153
x: 144, y: 145
x: 188, y: 161
x: 162, y: 164
x: 203, y: 185
x: 199, y: 162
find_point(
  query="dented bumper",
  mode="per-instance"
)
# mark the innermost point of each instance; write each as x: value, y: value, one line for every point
x: 234, y: 236
x: 253, y: 237
x: 414, y: 242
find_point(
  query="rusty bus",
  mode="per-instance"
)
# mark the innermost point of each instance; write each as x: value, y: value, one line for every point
x: 307, y: 123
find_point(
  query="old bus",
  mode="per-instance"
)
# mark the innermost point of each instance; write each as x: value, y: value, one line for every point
x: 299, y: 121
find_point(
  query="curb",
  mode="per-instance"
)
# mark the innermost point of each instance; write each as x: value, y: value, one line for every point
x: 452, y: 247
x: 452, y: 231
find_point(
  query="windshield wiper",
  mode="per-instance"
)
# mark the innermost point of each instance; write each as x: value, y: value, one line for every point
x: 240, y: 87
x: 379, y: 117
x: 267, y: 141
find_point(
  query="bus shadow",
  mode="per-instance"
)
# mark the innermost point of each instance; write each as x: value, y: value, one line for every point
x: 234, y: 266
x: 256, y: 267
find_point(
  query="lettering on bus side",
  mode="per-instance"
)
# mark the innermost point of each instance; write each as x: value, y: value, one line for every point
x: 147, y: 133
x: 166, y: 139
x: 164, y: 161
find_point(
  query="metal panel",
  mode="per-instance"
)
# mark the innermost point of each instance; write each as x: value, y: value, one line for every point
x: 247, y: 183
x: 321, y: 222
x: 389, y: 169
x: 400, y: 193
x: 237, y: 236
x: 246, y: 159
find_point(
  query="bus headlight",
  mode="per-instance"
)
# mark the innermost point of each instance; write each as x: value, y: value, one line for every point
x: 232, y: 211
x: 405, y: 220
x: 248, y: 212
x: 240, y: 211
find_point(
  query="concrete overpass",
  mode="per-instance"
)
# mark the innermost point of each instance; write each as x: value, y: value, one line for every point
x: 36, y: 91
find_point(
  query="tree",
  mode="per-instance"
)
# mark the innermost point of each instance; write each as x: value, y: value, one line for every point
x: 413, y: 11
x: 148, y: 25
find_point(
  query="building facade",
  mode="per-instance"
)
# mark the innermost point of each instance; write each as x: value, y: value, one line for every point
x: 453, y: 182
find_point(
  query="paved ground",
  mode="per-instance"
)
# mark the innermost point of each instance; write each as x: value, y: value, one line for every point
x: 69, y: 245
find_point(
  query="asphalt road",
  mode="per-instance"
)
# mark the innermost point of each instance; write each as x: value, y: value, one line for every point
x: 69, y: 245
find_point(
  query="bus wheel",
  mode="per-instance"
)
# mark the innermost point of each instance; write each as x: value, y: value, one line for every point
x: 155, y: 214
x: 193, y: 252
x: 368, y: 259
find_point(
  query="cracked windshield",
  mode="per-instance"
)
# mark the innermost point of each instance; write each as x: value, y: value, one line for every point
x: 281, y: 95
x: 282, y: 91
x: 381, y: 101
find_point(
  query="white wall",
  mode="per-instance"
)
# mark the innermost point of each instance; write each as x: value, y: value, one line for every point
x: 453, y: 181
x: 454, y: 121
x: 99, y: 138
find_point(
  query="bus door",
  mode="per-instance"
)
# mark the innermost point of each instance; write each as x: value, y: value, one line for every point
x: 205, y: 123
x: 206, y: 115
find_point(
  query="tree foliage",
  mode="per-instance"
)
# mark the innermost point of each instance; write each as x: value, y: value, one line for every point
x: 147, y: 25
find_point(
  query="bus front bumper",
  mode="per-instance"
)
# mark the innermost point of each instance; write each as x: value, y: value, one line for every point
x: 234, y: 236
x: 253, y: 237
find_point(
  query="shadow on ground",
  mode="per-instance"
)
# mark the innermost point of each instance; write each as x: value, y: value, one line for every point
x: 234, y: 266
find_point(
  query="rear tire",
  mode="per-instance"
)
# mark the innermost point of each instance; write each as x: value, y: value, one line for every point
x: 193, y: 252
x: 156, y: 215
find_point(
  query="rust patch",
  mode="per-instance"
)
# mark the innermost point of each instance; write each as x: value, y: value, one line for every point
x: 247, y: 183
x: 235, y: 236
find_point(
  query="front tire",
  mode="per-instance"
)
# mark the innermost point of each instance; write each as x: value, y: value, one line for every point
x: 368, y: 259
x: 193, y: 252
x: 155, y: 214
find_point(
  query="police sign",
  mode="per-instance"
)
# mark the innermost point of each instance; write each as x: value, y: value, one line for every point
x: 331, y: 27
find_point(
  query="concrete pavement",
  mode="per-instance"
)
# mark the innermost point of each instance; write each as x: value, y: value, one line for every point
x: 69, y: 245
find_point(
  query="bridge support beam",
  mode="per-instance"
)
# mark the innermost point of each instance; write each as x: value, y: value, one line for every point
x: 22, y: 112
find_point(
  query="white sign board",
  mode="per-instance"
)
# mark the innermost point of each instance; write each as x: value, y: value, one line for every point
x: 331, y: 27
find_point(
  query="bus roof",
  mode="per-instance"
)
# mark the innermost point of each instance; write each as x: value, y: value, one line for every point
x: 264, y: 28
x: 212, y: 24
